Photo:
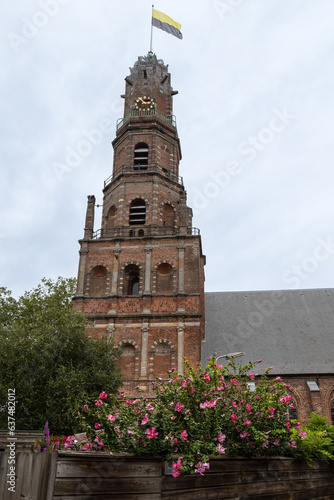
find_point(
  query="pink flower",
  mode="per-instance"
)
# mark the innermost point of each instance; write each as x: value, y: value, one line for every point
x: 97, y: 425
x: 201, y: 468
x: 234, y: 404
x: 151, y: 433
x: 122, y: 394
x: 128, y: 402
x: 260, y: 361
x: 276, y: 442
x: 192, y: 390
x: 103, y: 395
x: 292, y: 443
x: 98, y: 403
x: 247, y: 422
x: 145, y: 420
x: 176, y: 468
x: 179, y: 407
x: 302, y: 434
x: 251, y: 375
x: 221, y: 437
x: 87, y: 446
x: 173, y: 439
x: 234, y: 381
x: 203, y: 405
x: 191, y: 378
x: 248, y: 407
x: 286, y: 399
x: 206, y: 378
x: 298, y: 425
x: 233, y: 417
x: 219, y: 367
x: 86, y: 407
x: 221, y: 449
x: 187, y: 412
x: 184, y: 435
x: 244, y: 434
x: 288, y: 425
x: 184, y: 383
x: 271, y: 410
x: 278, y: 379
x: 111, y: 417
x: 149, y: 407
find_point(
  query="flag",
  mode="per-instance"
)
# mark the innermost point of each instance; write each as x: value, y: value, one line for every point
x: 165, y: 23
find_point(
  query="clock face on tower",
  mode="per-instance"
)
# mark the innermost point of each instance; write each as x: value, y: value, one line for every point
x: 144, y: 103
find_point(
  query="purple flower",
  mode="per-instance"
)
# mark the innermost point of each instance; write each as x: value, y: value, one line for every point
x: 46, y: 433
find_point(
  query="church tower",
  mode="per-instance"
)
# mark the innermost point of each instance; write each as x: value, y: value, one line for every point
x: 141, y: 275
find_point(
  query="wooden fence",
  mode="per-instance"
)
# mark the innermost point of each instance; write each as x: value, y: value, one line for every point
x: 98, y: 476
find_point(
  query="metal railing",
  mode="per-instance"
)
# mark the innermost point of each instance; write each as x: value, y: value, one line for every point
x: 144, y: 232
x: 143, y: 169
x: 140, y: 113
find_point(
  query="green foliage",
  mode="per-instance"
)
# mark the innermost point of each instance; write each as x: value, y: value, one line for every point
x: 47, y: 357
x: 204, y: 412
x: 314, y: 440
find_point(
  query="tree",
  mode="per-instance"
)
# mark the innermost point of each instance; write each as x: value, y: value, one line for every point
x: 48, y: 358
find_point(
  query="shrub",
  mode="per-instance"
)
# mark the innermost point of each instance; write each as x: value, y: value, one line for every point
x: 201, y: 413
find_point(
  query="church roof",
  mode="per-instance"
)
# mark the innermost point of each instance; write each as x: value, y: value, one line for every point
x: 292, y: 330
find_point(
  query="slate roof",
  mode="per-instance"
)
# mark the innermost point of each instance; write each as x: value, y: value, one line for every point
x: 292, y: 330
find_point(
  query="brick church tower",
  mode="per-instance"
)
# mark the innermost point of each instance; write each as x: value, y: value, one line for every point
x: 141, y: 275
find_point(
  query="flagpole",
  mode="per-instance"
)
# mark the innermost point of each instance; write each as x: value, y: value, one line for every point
x: 151, y: 30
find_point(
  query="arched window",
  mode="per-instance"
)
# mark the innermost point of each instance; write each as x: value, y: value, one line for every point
x: 137, y: 215
x: 168, y: 215
x: 131, y: 283
x: 141, y: 156
x: 127, y: 361
x: 98, y: 278
x: 162, y: 360
x: 293, y: 415
x: 164, y: 278
x: 110, y: 223
x: 332, y: 409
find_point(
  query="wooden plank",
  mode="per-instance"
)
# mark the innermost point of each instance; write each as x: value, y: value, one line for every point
x: 21, y: 459
x: 3, y: 472
x: 106, y: 467
x: 98, y: 485
x: 112, y: 496
x: 170, y: 483
x: 274, y: 489
x: 52, y: 476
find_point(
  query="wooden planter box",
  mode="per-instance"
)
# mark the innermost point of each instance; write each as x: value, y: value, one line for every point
x: 83, y: 476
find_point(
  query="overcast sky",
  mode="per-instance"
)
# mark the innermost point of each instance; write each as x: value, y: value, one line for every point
x: 254, y: 113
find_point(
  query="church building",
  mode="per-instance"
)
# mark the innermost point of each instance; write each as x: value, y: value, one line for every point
x: 141, y: 273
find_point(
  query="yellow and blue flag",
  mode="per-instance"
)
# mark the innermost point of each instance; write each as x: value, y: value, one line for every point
x: 165, y: 23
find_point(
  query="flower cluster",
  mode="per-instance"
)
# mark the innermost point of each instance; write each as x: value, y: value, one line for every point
x: 200, y: 413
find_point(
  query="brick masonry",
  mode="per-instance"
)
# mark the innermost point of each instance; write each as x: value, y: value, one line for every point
x: 141, y: 276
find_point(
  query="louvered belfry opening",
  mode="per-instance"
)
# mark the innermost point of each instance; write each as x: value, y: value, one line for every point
x: 141, y: 156
x: 137, y: 213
